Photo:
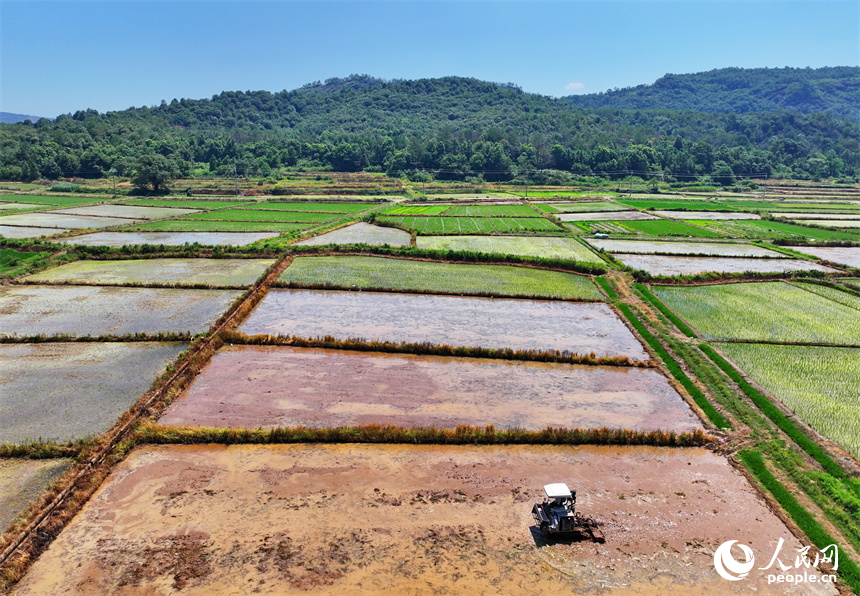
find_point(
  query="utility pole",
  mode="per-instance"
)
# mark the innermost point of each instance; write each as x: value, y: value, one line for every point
x: 527, y: 185
x: 236, y: 179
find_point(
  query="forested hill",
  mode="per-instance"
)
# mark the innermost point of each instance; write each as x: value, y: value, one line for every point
x: 806, y: 90
x: 455, y: 127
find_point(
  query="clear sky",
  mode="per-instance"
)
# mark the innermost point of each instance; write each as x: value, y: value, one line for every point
x: 63, y: 55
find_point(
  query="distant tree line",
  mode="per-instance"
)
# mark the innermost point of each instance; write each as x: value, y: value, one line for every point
x: 454, y: 128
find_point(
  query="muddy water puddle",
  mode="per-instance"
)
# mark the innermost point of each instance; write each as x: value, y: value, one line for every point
x: 73, y: 390
x: 168, y: 238
x: 672, y: 265
x: 368, y: 519
x: 458, y: 321
x: 259, y: 386
x: 103, y: 310
x: 211, y: 272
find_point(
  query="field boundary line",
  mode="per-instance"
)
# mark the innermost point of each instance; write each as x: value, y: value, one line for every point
x: 141, y: 408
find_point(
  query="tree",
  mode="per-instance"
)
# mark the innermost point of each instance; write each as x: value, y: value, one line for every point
x: 155, y: 172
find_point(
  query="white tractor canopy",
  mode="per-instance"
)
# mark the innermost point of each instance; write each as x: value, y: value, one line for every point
x: 558, y: 490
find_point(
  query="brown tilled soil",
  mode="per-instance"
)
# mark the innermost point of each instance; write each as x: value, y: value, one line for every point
x: 260, y: 386
x: 361, y: 519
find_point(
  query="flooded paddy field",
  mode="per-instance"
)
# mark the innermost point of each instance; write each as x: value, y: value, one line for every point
x: 42, y: 219
x: 103, y: 310
x: 128, y: 211
x: 390, y: 519
x: 167, y: 238
x: 526, y: 246
x: 832, y: 223
x: 606, y: 216
x: 453, y: 320
x: 403, y: 274
x: 21, y: 481
x: 718, y: 249
x: 29, y: 232
x: 361, y: 233
x: 817, y: 215
x: 272, y: 386
x: 67, y: 391
x: 193, y: 225
x: 708, y: 215
x: 848, y: 255
x: 672, y: 265
x: 221, y: 273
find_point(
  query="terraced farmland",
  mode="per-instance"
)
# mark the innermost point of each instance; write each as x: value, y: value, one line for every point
x: 213, y: 238
x: 679, y: 265
x: 376, y: 273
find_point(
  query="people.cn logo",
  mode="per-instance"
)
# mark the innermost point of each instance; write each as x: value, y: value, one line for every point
x: 727, y: 566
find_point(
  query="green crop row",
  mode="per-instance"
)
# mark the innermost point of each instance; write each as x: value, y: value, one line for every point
x: 767, y: 311
x: 710, y: 411
x: 655, y: 302
x: 243, y: 214
x: 380, y: 273
x: 469, y: 225
x: 848, y: 570
x: 775, y: 415
x: 491, y: 211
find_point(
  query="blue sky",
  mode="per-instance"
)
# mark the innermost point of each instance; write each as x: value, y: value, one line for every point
x: 63, y: 55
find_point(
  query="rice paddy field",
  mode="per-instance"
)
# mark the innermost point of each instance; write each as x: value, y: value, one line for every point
x: 722, y: 249
x: 408, y: 519
x: 22, y: 481
x: 360, y: 233
x: 127, y: 211
x: 58, y: 220
x: 606, y: 216
x: 118, y: 239
x: 819, y: 383
x: 217, y: 273
x: 833, y: 223
x: 275, y: 386
x: 470, y: 225
x: 378, y: 273
x: 68, y: 391
x: 335, y: 433
x: 190, y: 225
x: 579, y: 328
x: 579, y: 207
x: 669, y: 228
x: 32, y: 310
x: 263, y: 215
x: 708, y: 215
x: 767, y: 311
x: 678, y: 265
x: 524, y: 246
x: 773, y: 230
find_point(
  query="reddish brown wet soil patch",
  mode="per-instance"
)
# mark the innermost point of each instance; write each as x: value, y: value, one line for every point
x: 258, y: 386
x: 360, y: 519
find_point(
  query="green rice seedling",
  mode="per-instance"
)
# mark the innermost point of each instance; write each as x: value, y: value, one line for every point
x: 819, y: 383
x: 379, y: 273
x: 763, y: 311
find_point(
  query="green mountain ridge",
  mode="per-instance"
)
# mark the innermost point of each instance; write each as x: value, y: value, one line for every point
x: 835, y: 90
x: 453, y: 126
